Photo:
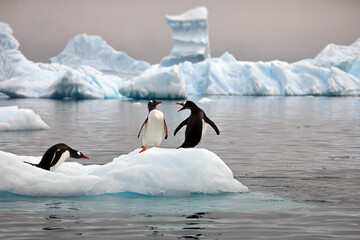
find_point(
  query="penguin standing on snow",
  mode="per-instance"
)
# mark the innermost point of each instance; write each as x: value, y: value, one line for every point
x: 196, y: 125
x: 56, y: 155
x: 155, y: 127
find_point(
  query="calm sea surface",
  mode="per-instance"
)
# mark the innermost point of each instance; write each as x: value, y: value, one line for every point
x: 299, y: 156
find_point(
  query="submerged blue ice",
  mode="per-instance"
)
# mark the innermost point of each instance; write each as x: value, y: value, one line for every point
x: 89, y: 68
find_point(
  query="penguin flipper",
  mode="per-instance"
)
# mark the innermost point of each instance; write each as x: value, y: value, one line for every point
x: 144, y: 124
x: 56, y: 158
x: 165, y: 130
x: 181, y: 125
x: 212, y: 124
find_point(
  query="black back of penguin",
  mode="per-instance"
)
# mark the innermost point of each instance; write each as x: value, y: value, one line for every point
x: 195, y: 125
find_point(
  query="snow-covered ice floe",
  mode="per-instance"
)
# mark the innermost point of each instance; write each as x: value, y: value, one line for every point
x: 89, y: 68
x: 155, y: 172
x: 14, y: 118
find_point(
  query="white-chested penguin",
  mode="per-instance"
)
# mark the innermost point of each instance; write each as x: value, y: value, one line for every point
x: 155, y: 127
x: 56, y: 155
x: 196, y: 125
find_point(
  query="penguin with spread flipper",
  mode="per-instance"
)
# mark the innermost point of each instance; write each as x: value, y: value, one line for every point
x: 154, y: 127
x: 196, y: 125
x: 56, y: 155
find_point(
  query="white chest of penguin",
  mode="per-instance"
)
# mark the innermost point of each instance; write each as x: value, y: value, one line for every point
x: 154, y: 131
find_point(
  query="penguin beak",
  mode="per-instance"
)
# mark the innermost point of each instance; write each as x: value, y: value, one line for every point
x: 180, y: 105
x: 83, y: 156
x: 158, y: 103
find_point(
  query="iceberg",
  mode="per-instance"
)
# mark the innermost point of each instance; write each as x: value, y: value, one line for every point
x: 93, y: 51
x: 13, y: 118
x: 20, y: 77
x: 156, y: 172
x: 13, y: 62
x: 59, y: 82
x: 156, y: 83
x: 89, y: 68
x: 342, y: 57
x: 226, y: 76
x: 190, y: 37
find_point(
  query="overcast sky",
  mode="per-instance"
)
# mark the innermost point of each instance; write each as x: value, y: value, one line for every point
x: 251, y: 30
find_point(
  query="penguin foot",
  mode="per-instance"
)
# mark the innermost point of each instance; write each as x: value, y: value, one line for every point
x: 143, y: 150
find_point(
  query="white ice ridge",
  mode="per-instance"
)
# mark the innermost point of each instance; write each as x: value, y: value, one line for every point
x: 14, y: 118
x: 190, y: 37
x: 156, y: 172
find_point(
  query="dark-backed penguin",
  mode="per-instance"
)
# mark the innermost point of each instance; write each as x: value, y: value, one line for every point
x: 154, y: 127
x: 196, y: 125
x: 56, y: 155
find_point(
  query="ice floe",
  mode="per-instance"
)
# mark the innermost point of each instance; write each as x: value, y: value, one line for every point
x: 14, y: 118
x: 156, y: 172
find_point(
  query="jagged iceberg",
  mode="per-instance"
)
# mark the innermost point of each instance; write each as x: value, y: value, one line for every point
x: 226, y: 76
x: 190, y: 37
x: 156, y: 172
x: 20, y: 77
x: 93, y: 51
x: 89, y: 68
x: 14, y: 118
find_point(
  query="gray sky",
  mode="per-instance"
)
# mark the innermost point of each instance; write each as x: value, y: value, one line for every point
x: 251, y: 30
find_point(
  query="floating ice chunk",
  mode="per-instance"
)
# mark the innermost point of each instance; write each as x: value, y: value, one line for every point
x: 13, y: 118
x: 190, y: 36
x: 156, y: 83
x: 95, y: 52
x: 205, y: 100
x: 168, y: 172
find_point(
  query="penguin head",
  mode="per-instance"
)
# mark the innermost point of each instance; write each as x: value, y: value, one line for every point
x: 187, y: 105
x: 76, y: 154
x: 152, y: 104
x: 80, y: 155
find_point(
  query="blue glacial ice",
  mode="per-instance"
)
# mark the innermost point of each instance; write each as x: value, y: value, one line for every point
x: 89, y: 68
x: 190, y: 37
x: 13, y: 118
x: 156, y: 172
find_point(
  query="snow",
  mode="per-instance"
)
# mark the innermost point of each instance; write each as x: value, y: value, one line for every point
x: 89, y: 68
x: 156, y: 172
x: 14, y: 118
x: 190, y: 37
x: 93, y: 51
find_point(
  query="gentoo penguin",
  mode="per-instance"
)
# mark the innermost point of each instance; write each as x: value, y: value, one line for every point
x: 56, y: 155
x: 196, y: 125
x: 155, y: 127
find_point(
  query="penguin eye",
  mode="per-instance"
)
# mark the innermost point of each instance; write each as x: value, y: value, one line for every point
x: 79, y: 153
x: 184, y: 103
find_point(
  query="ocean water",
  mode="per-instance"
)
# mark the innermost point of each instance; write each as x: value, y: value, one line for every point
x: 299, y: 156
